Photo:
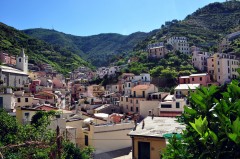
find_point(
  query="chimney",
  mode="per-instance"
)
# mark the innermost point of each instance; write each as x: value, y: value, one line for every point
x: 152, y: 116
x: 143, y: 124
x: 150, y: 112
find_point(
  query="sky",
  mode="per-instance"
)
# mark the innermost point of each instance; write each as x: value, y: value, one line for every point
x: 91, y: 17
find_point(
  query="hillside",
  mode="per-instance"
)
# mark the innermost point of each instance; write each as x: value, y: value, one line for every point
x: 97, y: 49
x: 13, y: 40
x: 203, y: 28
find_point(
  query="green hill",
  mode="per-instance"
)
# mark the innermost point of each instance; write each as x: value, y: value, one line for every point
x: 62, y: 59
x: 204, y: 27
x: 97, y: 49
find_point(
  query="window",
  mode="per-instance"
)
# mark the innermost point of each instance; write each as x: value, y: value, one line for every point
x: 19, y: 100
x: 136, y: 101
x: 121, y: 98
x: 200, y: 78
x: 86, y: 140
x: 128, y: 84
x: 130, y: 100
x: 20, y: 60
x: 134, y: 93
x: 218, y: 62
x: 177, y: 105
x: 143, y: 94
x: 126, y: 99
x: 26, y: 115
x: 136, y: 109
x: 131, y: 108
x: 26, y: 99
x: 192, y: 79
x: 166, y: 106
x: 19, y: 81
x: 218, y: 69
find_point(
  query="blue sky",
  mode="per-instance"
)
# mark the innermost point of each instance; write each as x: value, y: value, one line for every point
x: 90, y: 17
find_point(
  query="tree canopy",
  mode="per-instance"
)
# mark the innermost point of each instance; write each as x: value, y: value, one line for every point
x: 212, y: 125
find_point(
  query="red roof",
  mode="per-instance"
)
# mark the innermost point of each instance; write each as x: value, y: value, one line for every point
x: 169, y: 114
x: 46, y: 108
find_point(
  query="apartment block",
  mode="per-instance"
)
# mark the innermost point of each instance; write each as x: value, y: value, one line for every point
x: 157, y: 52
x: 223, y: 67
x: 179, y: 44
x: 199, y: 60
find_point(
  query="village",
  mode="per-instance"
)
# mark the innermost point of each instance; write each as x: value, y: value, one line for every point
x: 132, y: 113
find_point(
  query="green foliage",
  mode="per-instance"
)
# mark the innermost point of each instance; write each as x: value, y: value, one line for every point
x: 42, y: 117
x: 97, y: 49
x: 212, y: 123
x: 175, y: 149
x: 28, y: 141
x: 202, y: 28
x: 72, y: 152
x: 169, y: 67
x: 61, y: 58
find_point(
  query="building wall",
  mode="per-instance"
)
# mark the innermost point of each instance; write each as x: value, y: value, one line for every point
x: 130, y: 104
x: 14, y: 80
x: 146, y: 106
x: 24, y: 101
x: 106, y: 138
x: 173, y: 104
x: 157, y: 52
x: 78, y: 125
x: 8, y: 101
x: 157, y: 146
x: 202, y: 80
x: 24, y: 116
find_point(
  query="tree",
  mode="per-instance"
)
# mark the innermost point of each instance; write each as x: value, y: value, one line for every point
x: 156, y: 71
x: 34, y: 141
x: 212, y: 123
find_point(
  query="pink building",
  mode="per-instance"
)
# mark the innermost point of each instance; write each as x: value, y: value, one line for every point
x: 57, y: 83
x: 32, y: 86
x: 202, y: 79
x: 5, y: 58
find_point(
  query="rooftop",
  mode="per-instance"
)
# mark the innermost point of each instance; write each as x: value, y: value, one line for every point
x: 12, y: 70
x: 187, y: 86
x: 199, y: 74
x: 157, y: 127
x: 141, y: 87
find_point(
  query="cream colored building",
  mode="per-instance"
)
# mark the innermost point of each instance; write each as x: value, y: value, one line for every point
x: 23, y: 99
x: 157, y: 52
x: 7, y: 100
x: 223, y: 67
x: 138, y: 93
x: 182, y: 90
x: 150, y: 106
x: 179, y: 44
x: 171, y: 106
x: 199, y: 60
x: 107, y: 137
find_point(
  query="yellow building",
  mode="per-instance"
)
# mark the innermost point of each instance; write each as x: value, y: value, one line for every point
x: 138, y: 93
x: 147, y: 138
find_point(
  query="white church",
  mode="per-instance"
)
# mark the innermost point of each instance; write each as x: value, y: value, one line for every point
x: 15, y: 77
